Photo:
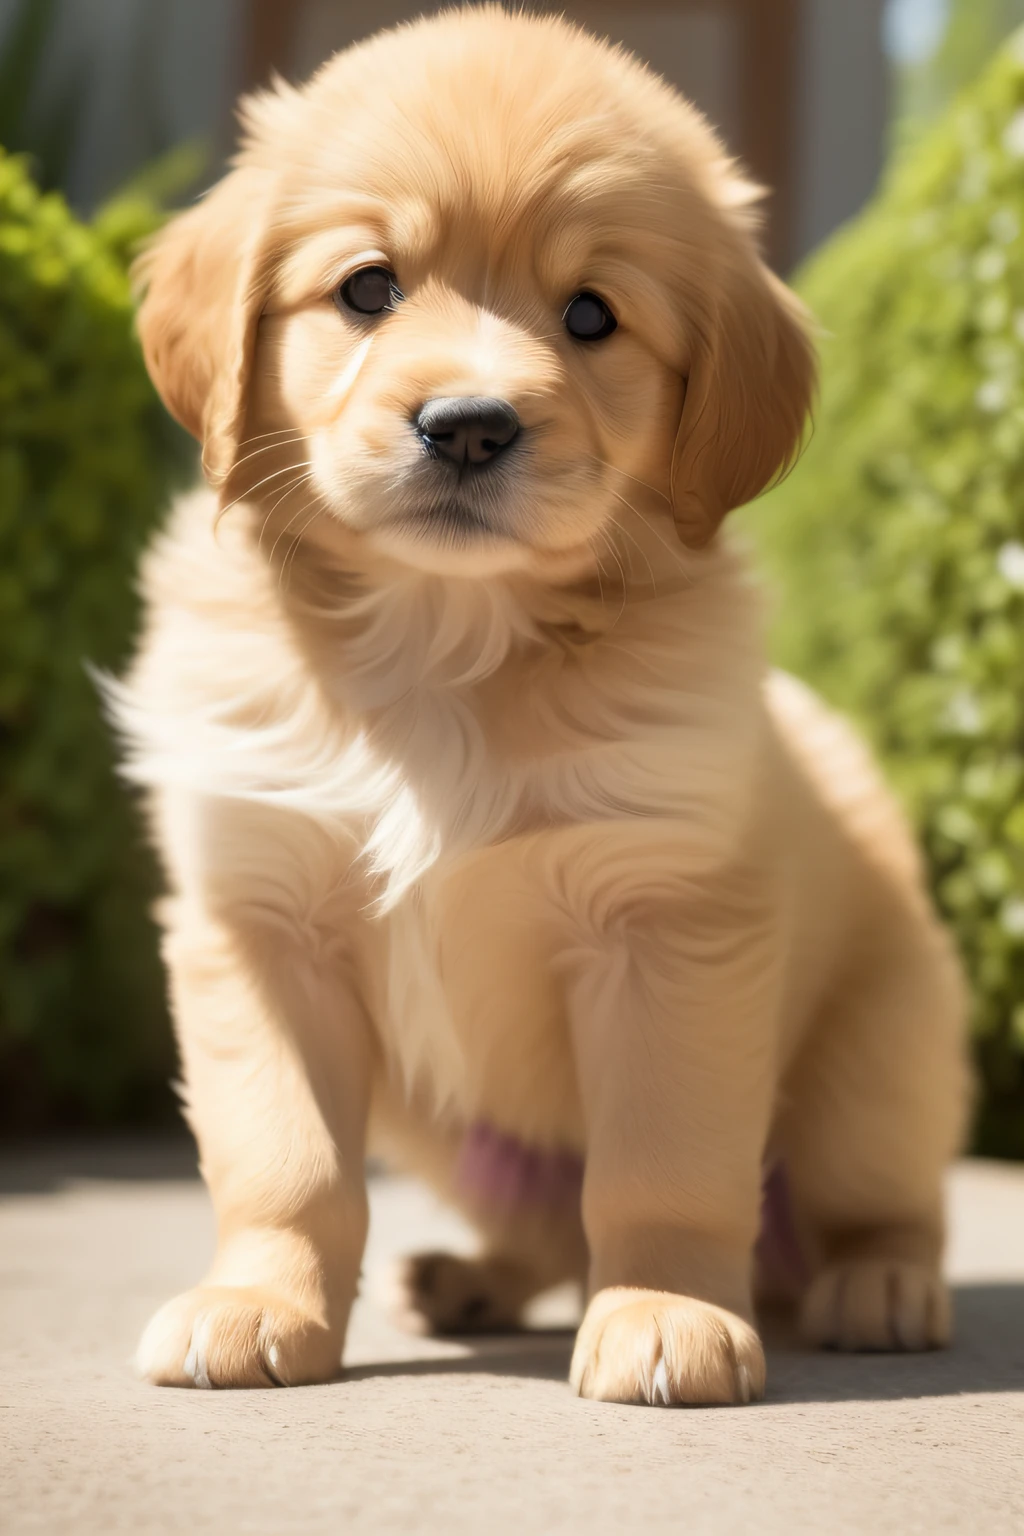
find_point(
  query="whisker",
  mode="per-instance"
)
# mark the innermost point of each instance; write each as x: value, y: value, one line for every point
x: 622, y: 576
x: 635, y: 478
x: 677, y: 559
x: 293, y: 485
x: 600, y: 583
x: 284, y: 531
x: 297, y: 437
x: 317, y: 506
x: 634, y: 541
x: 287, y: 469
x: 258, y: 437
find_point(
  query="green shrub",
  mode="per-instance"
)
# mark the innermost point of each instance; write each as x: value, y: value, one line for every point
x: 86, y: 456
x: 898, y: 542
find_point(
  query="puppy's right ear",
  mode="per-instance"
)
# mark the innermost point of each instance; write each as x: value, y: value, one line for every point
x: 204, y: 281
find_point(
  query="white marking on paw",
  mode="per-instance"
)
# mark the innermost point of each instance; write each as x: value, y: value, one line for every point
x: 273, y: 1356
x: 659, y: 1384
x: 195, y: 1360
x: 743, y: 1377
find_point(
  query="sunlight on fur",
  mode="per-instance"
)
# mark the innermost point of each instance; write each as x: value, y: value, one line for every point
x: 476, y: 802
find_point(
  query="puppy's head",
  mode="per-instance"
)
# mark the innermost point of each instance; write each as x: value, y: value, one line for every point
x: 467, y: 293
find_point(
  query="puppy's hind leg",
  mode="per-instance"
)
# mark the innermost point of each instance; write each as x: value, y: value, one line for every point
x: 446, y: 1293
x: 526, y: 1245
x: 874, y: 1111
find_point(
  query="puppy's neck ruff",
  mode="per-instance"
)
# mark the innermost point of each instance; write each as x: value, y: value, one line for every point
x: 386, y: 634
x: 400, y: 629
x: 424, y: 718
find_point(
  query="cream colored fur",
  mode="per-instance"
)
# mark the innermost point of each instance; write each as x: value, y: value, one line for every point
x: 511, y: 824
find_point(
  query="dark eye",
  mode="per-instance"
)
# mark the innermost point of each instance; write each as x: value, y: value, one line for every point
x: 588, y: 318
x: 368, y: 291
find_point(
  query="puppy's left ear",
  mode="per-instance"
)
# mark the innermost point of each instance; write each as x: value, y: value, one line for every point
x: 203, y: 281
x: 749, y: 390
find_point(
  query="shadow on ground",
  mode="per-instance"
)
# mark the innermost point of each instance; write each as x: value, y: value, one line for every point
x: 44, y: 1167
x: 987, y: 1356
x: 40, y: 1168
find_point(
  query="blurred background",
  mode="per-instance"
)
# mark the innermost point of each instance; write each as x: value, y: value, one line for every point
x: 805, y: 90
x: 896, y: 548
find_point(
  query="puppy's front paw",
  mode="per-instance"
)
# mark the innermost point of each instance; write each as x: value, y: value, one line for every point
x: 228, y: 1336
x: 653, y: 1347
x: 443, y: 1293
x: 877, y: 1304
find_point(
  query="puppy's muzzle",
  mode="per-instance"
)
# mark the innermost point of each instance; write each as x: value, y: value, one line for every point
x: 468, y: 431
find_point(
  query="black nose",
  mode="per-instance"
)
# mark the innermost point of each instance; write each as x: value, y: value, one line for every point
x: 467, y: 429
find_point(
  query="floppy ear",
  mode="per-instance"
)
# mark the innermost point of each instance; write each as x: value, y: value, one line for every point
x: 204, y: 289
x: 750, y: 386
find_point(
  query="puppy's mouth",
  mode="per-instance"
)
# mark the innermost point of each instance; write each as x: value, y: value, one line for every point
x: 458, y: 508
x: 510, y: 514
x: 455, y: 520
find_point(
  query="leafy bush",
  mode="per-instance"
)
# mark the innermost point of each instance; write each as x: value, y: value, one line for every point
x: 898, y: 543
x: 86, y: 456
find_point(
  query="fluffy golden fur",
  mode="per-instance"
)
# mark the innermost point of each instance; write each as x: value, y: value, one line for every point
x: 475, y: 799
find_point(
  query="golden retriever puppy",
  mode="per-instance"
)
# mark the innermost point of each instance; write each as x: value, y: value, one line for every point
x: 489, y: 840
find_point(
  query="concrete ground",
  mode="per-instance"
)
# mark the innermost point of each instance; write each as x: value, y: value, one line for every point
x: 431, y: 1436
